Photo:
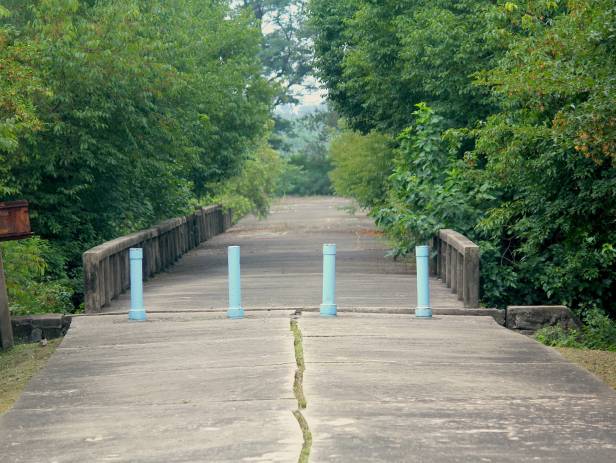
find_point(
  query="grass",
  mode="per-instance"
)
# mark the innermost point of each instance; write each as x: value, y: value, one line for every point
x: 18, y: 365
x: 599, y: 362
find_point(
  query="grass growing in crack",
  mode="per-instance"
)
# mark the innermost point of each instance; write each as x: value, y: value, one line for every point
x: 298, y: 384
x: 304, y: 456
x: 298, y: 390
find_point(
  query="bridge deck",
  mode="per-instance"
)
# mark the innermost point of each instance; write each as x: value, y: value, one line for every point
x: 282, y: 264
x: 195, y: 386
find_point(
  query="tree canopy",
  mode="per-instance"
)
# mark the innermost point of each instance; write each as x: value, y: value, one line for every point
x: 129, y: 109
x: 501, y: 116
x: 116, y: 114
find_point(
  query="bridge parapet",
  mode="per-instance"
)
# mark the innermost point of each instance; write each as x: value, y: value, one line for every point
x: 457, y: 264
x: 107, y: 269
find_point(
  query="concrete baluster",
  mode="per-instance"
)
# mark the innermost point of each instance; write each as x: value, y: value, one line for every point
x: 453, y: 266
x: 460, y: 277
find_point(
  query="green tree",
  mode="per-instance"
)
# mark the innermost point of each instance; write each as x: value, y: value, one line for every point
x: 424, y: 193
x: 362, y: 164
x: 251, y: 190
x: 149, y: 102
x: 549, y: 154
x: 286, y: 46
x: 116, y: 114
x: 308, y: 161
x: 19, y: 86
x: 379, y: 59
x: 518, y: 152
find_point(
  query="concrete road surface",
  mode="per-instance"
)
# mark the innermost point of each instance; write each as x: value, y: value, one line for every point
x: 193, y: 386
x: 282, y: 264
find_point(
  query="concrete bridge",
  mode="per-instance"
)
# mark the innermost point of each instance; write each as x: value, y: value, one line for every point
x: 374, y: 384
x: 282, y: 265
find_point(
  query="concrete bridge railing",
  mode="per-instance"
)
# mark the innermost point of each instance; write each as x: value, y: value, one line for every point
x: 106, y: 267
x: 457, y: 264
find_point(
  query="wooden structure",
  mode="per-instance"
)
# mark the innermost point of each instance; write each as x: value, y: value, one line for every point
x: 14, y: 220
x: 14, y: 225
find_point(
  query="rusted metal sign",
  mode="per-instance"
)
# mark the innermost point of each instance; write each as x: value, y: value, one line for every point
x: 14, y: 220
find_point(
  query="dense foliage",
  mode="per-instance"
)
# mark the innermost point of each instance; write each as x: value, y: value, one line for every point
x: 362, y: 165
x: 255, y: 185
x: 503, y: 121
x: 116, y: 114
x: 598, y: 332
x: 35, y: 278
x: 305, y: 143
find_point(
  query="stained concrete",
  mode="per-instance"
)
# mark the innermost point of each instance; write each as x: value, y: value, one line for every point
x: 282, y: 264
x: 452, y: 389
x: 195, y: 387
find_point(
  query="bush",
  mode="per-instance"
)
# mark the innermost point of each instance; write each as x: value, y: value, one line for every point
x: 598, y: 332
x: 306, y: 174
x: 557, y: 336
x: 252, y: 189
x: 423, y: 192
x: 362, y: 164
x: 35, y: 278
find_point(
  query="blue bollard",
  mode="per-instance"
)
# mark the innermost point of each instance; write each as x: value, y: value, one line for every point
x: 329, y: 308
x: 137, y: 310
x: 423, y: 309
x: 235, y: 288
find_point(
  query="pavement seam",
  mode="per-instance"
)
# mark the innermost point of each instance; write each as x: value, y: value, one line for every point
x: 298, y: 390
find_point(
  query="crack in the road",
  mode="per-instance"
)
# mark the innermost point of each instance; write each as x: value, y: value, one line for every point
x: 298, y: 390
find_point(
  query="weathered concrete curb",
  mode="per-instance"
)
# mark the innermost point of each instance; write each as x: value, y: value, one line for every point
x: 33, y: 328
x: 530, y: 318
x: 498, y: 315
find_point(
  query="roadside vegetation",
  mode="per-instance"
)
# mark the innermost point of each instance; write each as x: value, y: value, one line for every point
x: 18, y: 365
x: 598, y: 362
x: 304, y: 145
x: 599, y: 332
x: 497, y: 119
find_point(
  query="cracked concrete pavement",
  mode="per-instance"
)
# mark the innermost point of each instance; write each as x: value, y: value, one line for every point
x: 452, y: 389
x: 192, y: 386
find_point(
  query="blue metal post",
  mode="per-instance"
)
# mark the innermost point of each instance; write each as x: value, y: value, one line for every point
x: 328, y: 307
x: 423, y: 309
x: 235, y: 288
x: 137, y: 310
